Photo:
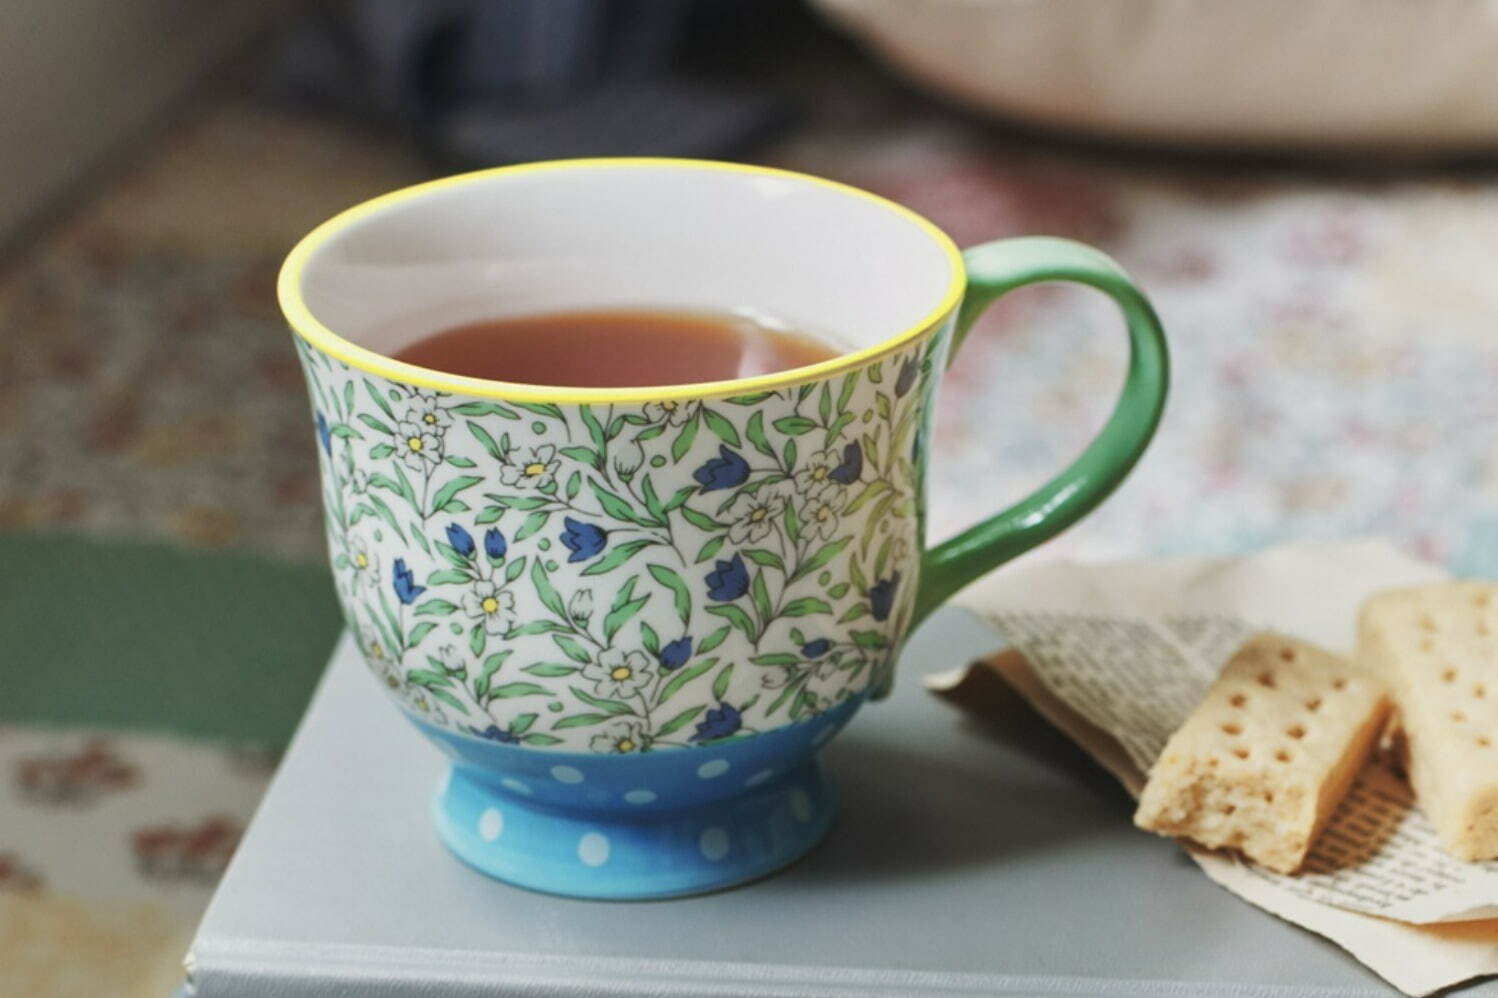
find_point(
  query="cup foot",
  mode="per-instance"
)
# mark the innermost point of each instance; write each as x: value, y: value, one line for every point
x: 618, y: 855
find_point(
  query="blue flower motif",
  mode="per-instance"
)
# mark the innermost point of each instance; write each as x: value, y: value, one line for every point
x: 729, y: 580
x: 817, y: 648
x: 584, y: 540
x: 852, y: 467
x: 324, y: 434
x: 718, y: 723
x: 497, y: 734
x: 460, y: 539
x: 726, y: 471
x: 906, y: 378
x: 405, y: 584
x: 882, y: 596
x: 494, y: 544
x: 675, y: 654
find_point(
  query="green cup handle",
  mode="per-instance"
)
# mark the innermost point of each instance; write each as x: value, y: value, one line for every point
x: 995, y: 269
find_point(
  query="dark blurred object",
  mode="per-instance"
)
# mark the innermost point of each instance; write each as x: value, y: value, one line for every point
x: 482, y: 82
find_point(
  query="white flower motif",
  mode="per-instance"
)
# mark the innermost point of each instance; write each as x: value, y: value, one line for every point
x: 617, y: 673
x: 452, y: 660
x: 533, y: 467
x: 618, y: 738
x: 490, y: 605
x: 753, y: 516
x: 418, y: 445
x: 366, y: 568
x: 818, y: 513
x: 425, y: 396
x: 812, y: 478
x: 426, y: 412
x: 580, y: 606
x: 373, y: 649
x: 675, y: 413
x: 628, y: 457
x: 359, y: 481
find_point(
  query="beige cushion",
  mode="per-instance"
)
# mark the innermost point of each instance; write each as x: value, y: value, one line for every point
x: 1404, y: 74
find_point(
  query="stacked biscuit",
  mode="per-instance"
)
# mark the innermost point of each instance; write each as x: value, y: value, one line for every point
x: 1265, y: 757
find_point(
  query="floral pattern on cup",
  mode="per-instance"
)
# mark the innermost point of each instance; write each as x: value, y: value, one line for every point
x: 619, y: 578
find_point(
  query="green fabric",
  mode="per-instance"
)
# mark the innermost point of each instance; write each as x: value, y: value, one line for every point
x: 148, y: 637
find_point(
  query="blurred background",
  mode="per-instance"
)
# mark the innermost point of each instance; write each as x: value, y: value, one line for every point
x: 1307, y: 190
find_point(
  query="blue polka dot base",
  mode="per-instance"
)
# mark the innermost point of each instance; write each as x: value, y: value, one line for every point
x: 662, y: 824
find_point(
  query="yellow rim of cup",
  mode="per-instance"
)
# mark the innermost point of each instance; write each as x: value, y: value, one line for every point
x: 310, y: 329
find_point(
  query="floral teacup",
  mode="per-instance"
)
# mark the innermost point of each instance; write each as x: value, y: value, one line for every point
x: 631, y: 616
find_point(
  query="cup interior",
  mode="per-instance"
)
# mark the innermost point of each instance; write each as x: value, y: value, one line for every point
x: 845, y: 266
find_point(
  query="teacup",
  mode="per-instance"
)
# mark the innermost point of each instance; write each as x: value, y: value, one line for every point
x: 632, y: 616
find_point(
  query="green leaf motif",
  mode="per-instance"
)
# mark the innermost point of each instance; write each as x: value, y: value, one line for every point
x: 580, y: 721
x: 607, y: 706
x: 700, y: 520
x: 452, y: 488
x: 755, y: 431
x: 775, y: 658
x: 668, y: 578
x: 515, y: 568
x: 620, y: 615
x: 446, y: 576
x: 381, y: 451
x: 722, y: 427
x: 571, y: 648
x: 459, y: 461
x: 511, y: 690
x: 488, y: 515
x: 683, y: 676
x: 542, y: 409
x: 435, y: 608
x: 536, y: 738
x: 595, y: 428
x: 806, y: 606
x: 485, y: 409
x: 418, y: 632
x: 870, y: 639
x: 795, y: 425
x: 375, y: 424
x: 709, y: 549
x: 617, y: 557
x: 649, y: 638
x: 550, y: 670
x: 586, y: 455
x: 735, y: 616
x: 493, y: 662
x: 533, y: 523
x: 477, y: 639
x: 680, y: 721
x: 379, y: 399
x: 617, y: 507
x: 713, y: 640
x: 761, y: 595
x: 522, y: 723
x: 720, y: 684
x: 821, y: 557
x: 769, y: 559
x: 685, y: 438
x: 482, y: 436
x: 550, y: 598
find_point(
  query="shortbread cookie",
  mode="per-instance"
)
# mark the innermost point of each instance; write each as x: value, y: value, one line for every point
x: 1267, y: 754
x: 1437, y: 648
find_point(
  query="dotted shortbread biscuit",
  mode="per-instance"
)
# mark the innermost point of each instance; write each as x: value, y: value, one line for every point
x: 1267, y: 754
x: 1437, y: 648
